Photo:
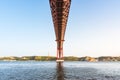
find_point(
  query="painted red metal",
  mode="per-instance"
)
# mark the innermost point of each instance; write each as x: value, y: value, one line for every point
x: 60, y: 11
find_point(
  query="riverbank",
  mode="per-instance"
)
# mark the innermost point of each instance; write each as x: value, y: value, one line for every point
x: 53, y: 58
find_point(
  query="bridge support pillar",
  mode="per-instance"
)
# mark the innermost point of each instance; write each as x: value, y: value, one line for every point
x: 59, y: 50
x: 60, y: 55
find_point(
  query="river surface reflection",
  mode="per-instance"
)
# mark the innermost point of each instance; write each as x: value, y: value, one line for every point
x: 60, y: 71
x: 50, y: 70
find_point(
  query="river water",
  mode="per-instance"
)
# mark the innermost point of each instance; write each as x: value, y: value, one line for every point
x: 48, y: 70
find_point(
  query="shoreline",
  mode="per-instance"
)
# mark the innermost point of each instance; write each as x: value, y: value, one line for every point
x: 69, y: 58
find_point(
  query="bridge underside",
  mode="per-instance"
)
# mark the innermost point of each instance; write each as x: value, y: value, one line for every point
x: 60, y: 11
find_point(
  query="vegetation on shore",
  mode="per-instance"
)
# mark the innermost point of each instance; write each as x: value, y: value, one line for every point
x: 52, y: 58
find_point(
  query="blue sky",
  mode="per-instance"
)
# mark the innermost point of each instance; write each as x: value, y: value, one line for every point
x: 93, y: 28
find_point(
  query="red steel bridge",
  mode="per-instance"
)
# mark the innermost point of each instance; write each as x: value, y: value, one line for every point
x: 60, y: 12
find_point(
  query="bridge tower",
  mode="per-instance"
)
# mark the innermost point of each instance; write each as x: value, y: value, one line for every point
x: 60, y: 12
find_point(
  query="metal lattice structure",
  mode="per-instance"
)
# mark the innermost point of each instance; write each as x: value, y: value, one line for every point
x: 60, y: 12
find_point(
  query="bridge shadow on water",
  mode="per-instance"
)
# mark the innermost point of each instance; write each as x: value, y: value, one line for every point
x: 60, y: 71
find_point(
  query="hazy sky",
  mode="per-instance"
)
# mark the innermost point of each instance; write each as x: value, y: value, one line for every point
x: 93, y: 28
